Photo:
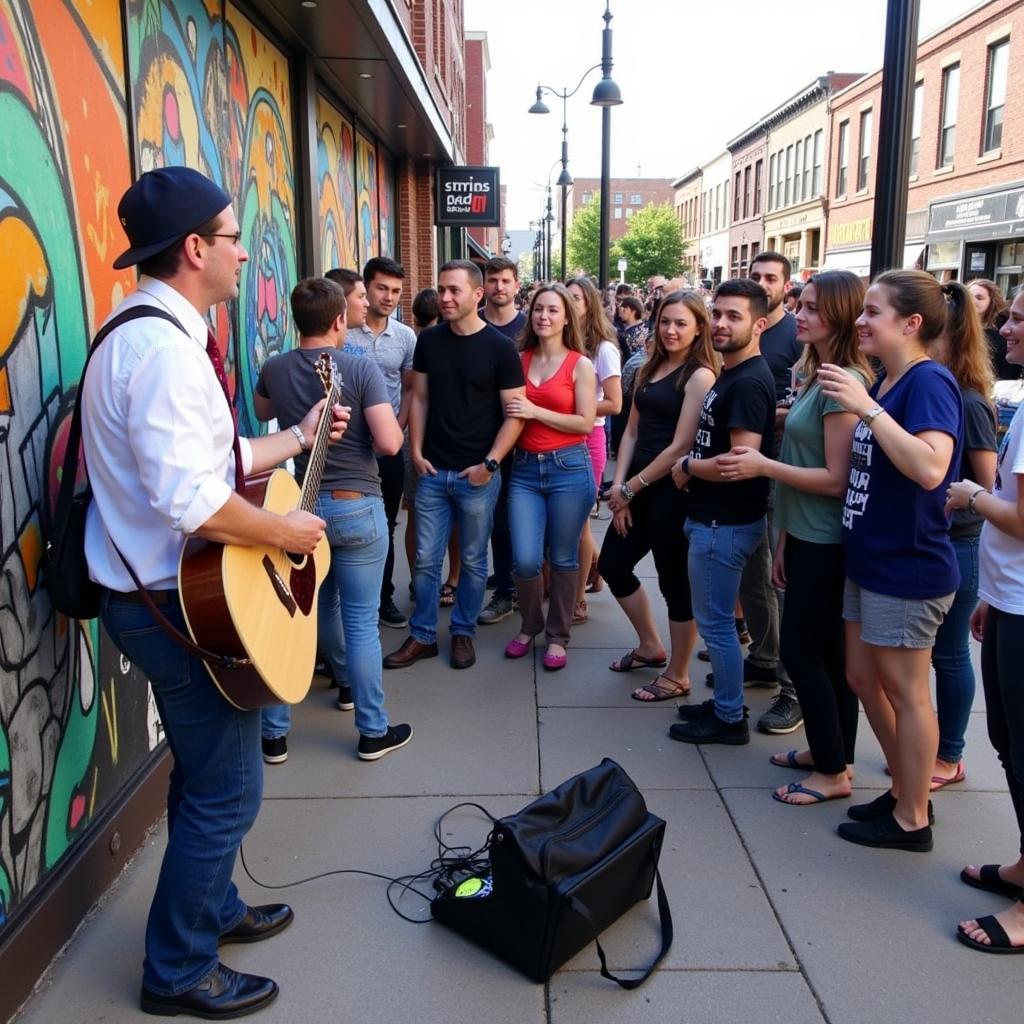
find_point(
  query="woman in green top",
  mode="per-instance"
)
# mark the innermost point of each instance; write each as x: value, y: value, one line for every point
x: 812, y: 473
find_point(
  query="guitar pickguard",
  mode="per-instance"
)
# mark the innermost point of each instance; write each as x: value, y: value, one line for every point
x: 280, y: 588
x: 303, y: 586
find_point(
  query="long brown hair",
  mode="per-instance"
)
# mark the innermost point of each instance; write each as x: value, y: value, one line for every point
x: 839, y: 296
x: 594, y: 324
x: 702, y: 352
x: 996, y: 300
x: 571, y: 337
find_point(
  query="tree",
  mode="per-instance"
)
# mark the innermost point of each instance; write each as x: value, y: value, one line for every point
x: 653, y: 244
x: 583, y: 243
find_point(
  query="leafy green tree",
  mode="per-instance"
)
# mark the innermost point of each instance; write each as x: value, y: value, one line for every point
x: 653, y: 244
x: 583, y: 243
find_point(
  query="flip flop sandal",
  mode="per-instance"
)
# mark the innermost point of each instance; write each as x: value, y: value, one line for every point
x: 788, y: 760
x: 658, y: 691
x: 633, y: 659
x: 447, y: 595
x: 994, y: 930
x: 988, y: 880
x: 795, y: 787
x: 940, y: 782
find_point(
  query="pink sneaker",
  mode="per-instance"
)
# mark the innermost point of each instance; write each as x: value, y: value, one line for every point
x: 554, y: 662
x: 515, y: 648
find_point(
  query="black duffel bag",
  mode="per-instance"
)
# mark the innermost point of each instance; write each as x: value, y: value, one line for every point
x: 561, y: 871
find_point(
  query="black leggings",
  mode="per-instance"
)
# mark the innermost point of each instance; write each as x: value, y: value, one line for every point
x: 811, y: 642
x: 1002, y: 654
x: 658, y: 513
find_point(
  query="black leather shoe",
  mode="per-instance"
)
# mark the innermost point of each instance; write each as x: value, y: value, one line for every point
x: 260, y: 923
x: 223, y: 995
x: 711, y: 729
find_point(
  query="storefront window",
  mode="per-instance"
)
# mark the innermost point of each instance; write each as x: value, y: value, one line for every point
x: 943, y: 254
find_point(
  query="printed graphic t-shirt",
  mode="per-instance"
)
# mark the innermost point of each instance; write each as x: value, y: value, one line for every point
x: 1002, y: 556
x: 896, y: 533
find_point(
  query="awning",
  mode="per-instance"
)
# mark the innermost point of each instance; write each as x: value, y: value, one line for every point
x: 858, y: 261
x: 476, y: 249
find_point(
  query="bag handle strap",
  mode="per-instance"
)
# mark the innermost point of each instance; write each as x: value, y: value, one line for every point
x: 665, y: 916
x: 69, y: 474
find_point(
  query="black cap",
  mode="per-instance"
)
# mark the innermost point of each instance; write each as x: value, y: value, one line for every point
x: 163, y: 206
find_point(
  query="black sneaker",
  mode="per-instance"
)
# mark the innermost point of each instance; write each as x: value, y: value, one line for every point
x: 691, y: 712
x: 389, y: 615
x: 753, y: 675
x: 709, y: 728
x: 275, y: 751
x: 880, y: 807
x: 886, y: 833
x: 345, y: 701
x: 372, y: 748
x: 784, y: 716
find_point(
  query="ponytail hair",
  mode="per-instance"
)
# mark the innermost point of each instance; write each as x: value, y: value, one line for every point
x: 968, y: 360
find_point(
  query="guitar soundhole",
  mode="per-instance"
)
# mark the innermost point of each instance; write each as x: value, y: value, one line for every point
x: 295, y: 559
x: 303, y: 585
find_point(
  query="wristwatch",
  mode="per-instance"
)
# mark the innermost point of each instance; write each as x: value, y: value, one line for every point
x: 491, y: 465
x: 626, y: 491
x: 684, y: 464
x: 871, y: 415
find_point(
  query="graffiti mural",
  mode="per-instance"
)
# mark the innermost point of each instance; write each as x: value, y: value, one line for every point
x: 388, y: 246
x: 336, y: 178
x: 366, y: 197
x: 210, y: 91
x: 70, y: 736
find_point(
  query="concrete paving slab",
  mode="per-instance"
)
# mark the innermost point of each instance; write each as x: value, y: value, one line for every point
x: 574, y: 739
x: 686, y: 997
x: 721, y: 917
x: 873, y: 929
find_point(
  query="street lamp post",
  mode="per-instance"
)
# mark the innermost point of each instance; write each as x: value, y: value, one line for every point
x: 606, y: 95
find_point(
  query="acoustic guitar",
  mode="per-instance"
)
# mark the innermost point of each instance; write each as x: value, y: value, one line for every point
x: 258, y: 604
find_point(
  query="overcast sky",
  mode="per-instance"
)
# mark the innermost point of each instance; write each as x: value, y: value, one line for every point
x: 692, y: 75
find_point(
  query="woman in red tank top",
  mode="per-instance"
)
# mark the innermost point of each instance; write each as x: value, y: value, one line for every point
x: 552, y: 486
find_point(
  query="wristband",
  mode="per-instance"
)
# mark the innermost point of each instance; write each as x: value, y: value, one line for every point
x: 684, y: 464
x: 871, y: 415
x: 301, y: 438
x: 643, y: 482
x: 973, y: 498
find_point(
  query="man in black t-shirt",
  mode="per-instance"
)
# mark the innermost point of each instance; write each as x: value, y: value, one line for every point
x: 464, y: 374
x: 725, y: 518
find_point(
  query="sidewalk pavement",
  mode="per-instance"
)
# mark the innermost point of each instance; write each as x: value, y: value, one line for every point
x: 776, y: 919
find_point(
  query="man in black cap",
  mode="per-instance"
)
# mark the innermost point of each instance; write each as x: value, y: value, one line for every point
x: 164, y: 462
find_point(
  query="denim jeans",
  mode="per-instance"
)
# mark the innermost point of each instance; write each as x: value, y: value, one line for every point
x: 275, y: 721
x: 501, y: 541
x: 951, y: 656
x: 442, y: 501
x: 717, y: 555
x: 549, y: 498
x: 213, y: 798
x: 347, y: 614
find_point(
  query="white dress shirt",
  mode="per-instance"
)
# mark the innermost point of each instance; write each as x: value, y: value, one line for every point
x: 157, y: 435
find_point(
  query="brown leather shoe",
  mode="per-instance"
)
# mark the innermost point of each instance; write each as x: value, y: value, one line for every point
x: 463, y: 654
x: 411, y: 651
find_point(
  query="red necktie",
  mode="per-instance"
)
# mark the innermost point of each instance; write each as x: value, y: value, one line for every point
x: 213, y: 351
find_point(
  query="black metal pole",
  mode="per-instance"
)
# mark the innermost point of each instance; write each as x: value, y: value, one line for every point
x: 606, y: 153
x: 547, y: 220
x: 894, y: 127
x: 565, y: 192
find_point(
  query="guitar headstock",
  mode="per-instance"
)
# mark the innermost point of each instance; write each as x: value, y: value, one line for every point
x: 328, y: 372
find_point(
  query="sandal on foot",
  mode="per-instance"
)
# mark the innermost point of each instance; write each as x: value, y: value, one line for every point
x: 788, y: 760
x: 580, y: 613
x: 634, y: 659
x: 938, y: 781
x: 657, y: 690
x: 1000, y: 941
x: 988, y: 880
x: 795, y: 787
x: 447, y: 596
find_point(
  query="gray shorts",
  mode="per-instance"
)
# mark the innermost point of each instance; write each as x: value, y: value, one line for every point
x: 894, y: 621
x: 411, y: 476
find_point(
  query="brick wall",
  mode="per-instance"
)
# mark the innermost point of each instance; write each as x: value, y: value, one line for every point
x: 416, y: 232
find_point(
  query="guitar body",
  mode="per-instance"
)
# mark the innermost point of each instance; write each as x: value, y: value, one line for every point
x: 257, y: 603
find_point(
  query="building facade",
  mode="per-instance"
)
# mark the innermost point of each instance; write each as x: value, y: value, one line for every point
x: 716, y: 210
x: 329, y: 161
x: 748, y: 151
x: 479, y: 130
x: 687, y: 193
x: 626, y: 195
x: 966, y: 185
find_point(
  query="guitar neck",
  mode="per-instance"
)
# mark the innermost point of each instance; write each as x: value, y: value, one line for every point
x: 318, y: 454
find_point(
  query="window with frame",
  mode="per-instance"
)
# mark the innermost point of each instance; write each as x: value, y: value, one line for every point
x: 587, y: 197
x: 819, y: 139
x: 734, y: 262
x: 915, y: 128
x: 995, y: 95
x: 746, y: 191
x: 789, y: 176
x: 864, y: 158
x: 718, y: 204
x: 618, y: 198
x: 758, y: 172
x: 844, y: 158
x: 618, y: 213
x: 629, y: 212
x: 947, y: 117
x: 736, y: 197
x: 636, y: 199
x: 743, y: 260
x: 771, y: 182
x: 807, y: 169
x: 797, y: 186
x: 780, y: 170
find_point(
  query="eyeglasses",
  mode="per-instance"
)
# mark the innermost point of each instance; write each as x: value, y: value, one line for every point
x: 235, y: 238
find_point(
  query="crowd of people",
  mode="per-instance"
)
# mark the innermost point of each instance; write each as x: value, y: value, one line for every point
x: 843, y: 454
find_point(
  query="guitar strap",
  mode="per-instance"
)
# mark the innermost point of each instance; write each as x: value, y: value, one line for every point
x: 183, y: 641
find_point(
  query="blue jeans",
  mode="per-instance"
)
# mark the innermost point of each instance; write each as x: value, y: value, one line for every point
x: 549, y: 499
x: 715, y: 562
x: 214, y: 795
x: 951, y: 656
x: 347, y: 614
x: 442, y: 501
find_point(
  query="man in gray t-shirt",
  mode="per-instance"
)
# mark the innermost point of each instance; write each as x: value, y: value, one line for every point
x: 389, y: 343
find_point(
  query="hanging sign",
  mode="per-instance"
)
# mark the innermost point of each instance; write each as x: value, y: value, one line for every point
x: 468, y: 197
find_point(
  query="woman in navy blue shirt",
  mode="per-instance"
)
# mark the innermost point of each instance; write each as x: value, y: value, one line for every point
x: 901, y: 569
